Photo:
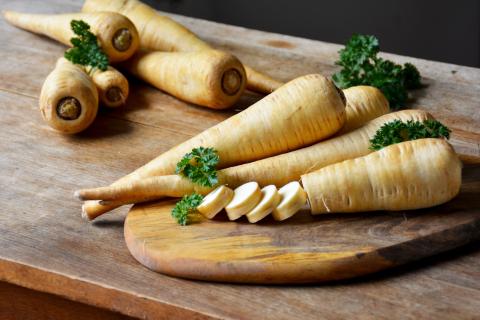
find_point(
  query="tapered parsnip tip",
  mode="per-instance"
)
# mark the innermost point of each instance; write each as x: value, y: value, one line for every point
x: 10, y: 16
x: 85, y: 214
x: 78, y: 195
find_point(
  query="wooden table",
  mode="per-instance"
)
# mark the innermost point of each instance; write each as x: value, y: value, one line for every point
x: 83, y: 270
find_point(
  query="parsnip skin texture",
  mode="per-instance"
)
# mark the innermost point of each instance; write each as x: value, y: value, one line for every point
x: 117, y: 35
x: 277, y: 170
x: 68, y: 81
x: 283, y: 168
x: 409, y: 175
x: 161, y: 33
x: 113, y: 88
x: 215, y: 201
x: 210, y: 78
x: 245, y: 198
x: 157, y: 32
x: 174, y: 186
x: 293, y: 198
x: 270, y: 199
x: 364, y: 103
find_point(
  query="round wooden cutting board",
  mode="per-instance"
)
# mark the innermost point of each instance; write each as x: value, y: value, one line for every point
x: 304, y: 248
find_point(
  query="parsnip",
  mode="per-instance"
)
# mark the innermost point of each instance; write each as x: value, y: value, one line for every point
x: 208, y: 78
x: 270, y: 199
x: 293, y: 198
x: 112, y: 86
x: 245, y: 198
x: 160, y: 33
x: 309, y: 108
x: 215, y: 201
x: 277, y: 170
x: 409, y: 175
x: 69, y: 98
x: 364, y: 103
x: 117, y: 35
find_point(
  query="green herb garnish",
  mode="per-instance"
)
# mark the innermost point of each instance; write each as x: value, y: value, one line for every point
x: 200, y: 166
x: 398, y: 131
x: 361, y: 66
x: 185, y: 207
x: 86, y: 51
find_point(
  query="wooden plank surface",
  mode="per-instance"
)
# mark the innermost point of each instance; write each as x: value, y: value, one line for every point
x: 46, y: 246
x: 25, y: 304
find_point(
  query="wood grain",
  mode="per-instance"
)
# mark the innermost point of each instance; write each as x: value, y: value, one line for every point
x: 46, y: 246
x: 304, y: 248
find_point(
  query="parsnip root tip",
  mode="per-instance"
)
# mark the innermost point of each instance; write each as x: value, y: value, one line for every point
x: 85, y: 214
x: 76, y: 195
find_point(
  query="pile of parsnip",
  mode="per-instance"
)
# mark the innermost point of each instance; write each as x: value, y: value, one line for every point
x: 135, y: 38
x: 307, y: 144
x: 314, y: 142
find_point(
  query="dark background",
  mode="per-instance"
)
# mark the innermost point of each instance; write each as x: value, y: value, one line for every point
x: 446, y: 31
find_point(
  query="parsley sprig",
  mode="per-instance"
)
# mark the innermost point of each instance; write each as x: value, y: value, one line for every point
x: 86, y: 51
x: 361, y: 66
x: 200, y: 166
x: 398, y: 131
x: 185, y: 207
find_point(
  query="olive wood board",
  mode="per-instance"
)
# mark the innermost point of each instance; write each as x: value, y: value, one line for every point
x: 304, y: 248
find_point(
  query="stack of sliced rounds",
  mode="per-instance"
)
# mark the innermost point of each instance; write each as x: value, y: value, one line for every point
x: 270, y: 199
x: 215, y: 201
x: 245, y: 198
x: 294, y: 199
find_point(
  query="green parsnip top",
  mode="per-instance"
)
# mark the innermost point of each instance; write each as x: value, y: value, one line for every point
x: 86, y: 51
x: 397, y: 131
x: 361, y: 66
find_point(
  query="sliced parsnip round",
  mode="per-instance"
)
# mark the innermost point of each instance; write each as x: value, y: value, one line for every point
x: 293, y: 199
x: 215, y: 201
x: 245, y: 198
x: 270, y: 199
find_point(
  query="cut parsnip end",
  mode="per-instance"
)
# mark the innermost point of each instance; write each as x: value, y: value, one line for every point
x: 245, y: 198
x: 270, y: 199
x: 215, y: 201
x: 294, y: 199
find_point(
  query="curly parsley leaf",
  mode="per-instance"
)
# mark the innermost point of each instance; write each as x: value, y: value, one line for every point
x: 361, y: 66
x: 185, y: 207
x: 85, y: 51
x: 398, y: 131
x: 200, y: 166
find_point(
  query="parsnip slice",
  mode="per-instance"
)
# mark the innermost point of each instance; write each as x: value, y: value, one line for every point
x: 270, y: 199
x: 245, y: 198
x: 293, y: 199
x: 215, y: 201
